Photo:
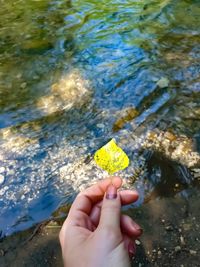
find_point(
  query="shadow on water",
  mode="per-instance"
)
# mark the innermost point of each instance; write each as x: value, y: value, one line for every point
x: 168, y: 177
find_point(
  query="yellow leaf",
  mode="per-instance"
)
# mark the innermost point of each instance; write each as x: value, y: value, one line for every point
x: 111, y: 158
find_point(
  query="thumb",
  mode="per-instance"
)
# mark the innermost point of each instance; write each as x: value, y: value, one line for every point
x: 111, y: 209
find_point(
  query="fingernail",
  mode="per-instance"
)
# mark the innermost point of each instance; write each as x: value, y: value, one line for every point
x: 137, y: 227
x: 111, y: 192
x: 131, y: 249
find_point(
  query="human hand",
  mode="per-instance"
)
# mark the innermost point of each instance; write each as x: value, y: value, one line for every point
x: 95, y: 233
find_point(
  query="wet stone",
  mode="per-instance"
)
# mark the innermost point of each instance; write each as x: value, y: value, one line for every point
x: 196, y: 175
x: 137, y: 242
x: 2, y: 252
x: 36, y: 46
x: 11, y: 172
x: 193, y: 252
x: 159, y: 253
x: 182, y: 240
x: 100, y: 125
x: 2, y: 179
x: 163, y: 82
x: 186, y: 226
x: 19, y: 76
x: 2, y: 169
x: 196, y: 170
x: 23, y: 85
x: 169, y: 228
x: 177, y: 249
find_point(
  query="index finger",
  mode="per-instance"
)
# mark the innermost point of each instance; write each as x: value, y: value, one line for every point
x: 86, y: 199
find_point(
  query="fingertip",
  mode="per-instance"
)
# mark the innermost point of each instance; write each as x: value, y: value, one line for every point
x: 128, y: 196
x: 130, y: 227
x: 116, y: 181
x: 135, y: 195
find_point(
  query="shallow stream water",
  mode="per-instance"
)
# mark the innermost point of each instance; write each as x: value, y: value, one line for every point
x: 73, y: 75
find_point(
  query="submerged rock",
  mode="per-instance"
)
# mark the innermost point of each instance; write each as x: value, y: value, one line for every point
x: 163, y: 82
x: 70, y: 90
x: 37, y: 46
x: 178, y: 148
x: 125, y: 115
x: 16, y: 143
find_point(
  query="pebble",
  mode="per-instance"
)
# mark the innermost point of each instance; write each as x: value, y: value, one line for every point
x: 177, y: 249
x: 92, y: 144
x: 10, y: 172
x: 2, y: 179
x: 169, y: 228
x: 193, y: 252
x: 100, y: 125
x: 154, y: 79
x: 137, y: 242
x: 52, y: 223
x: 186, y: 226
x: 2, y: 252
x: 197, y: 170
x: 19, y: 75
x: 182, y: 240
x: 2, y: 169
x: 23, y: 85
x: 159, y: 253
x: 196, y: 175
x: 163, y: 82
x: 169, y: 136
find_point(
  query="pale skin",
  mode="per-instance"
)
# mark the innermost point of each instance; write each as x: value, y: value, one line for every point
x: 95, y: 233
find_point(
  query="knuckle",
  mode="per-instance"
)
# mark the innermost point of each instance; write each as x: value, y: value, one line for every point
x: 111, y: 208
x: 110, y: 232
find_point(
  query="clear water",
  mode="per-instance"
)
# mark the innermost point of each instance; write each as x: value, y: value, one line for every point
x: 74, y: 74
